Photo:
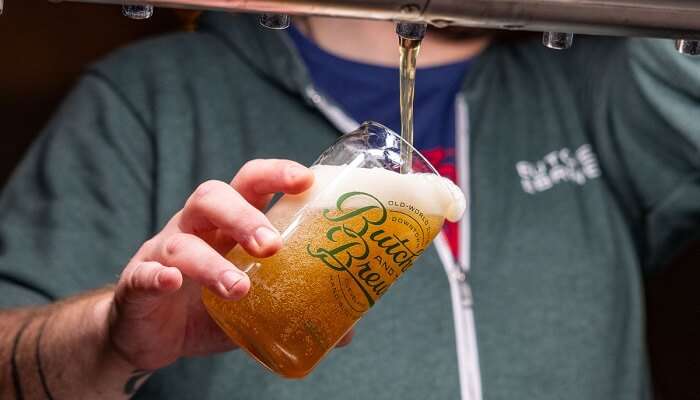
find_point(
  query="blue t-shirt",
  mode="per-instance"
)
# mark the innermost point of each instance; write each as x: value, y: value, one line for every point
x: 371, y: 92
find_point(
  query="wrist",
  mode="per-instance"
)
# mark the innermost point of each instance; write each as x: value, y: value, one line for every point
x: 76, y: 349
x: 112, y: 358
x: 109, y: 354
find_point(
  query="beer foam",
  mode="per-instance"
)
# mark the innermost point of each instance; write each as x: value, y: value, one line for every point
x: 429, y: 193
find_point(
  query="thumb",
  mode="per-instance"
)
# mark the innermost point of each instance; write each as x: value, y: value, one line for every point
x: 143, y: 285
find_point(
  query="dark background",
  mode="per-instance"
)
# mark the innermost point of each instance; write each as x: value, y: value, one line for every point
x: 43, y: 47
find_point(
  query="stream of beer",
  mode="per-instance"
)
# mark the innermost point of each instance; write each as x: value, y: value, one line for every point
x: 408, y: 48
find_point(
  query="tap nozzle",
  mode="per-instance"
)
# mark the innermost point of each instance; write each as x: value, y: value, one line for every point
x: 558, y: 40
x: 411, y: 30
x: 144, y: 11
x: 688, y: 47
x: 275, y: 21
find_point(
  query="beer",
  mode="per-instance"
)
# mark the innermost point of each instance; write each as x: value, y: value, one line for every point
x: 347, y: 240
x: 408, y: 50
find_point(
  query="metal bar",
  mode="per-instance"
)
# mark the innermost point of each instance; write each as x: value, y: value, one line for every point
x: 652, y: 18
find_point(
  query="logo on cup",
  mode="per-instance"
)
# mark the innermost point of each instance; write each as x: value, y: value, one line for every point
x: 369, y: 245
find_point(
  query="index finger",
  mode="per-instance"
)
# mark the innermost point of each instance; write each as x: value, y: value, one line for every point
x: 258, y: 180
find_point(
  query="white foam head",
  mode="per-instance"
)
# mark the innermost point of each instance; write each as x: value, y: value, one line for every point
x: 432, y: 194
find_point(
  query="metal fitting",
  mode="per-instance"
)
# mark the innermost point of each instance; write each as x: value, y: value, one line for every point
x: 275, y: 21
x: 688, y: 47
x: 558, y: 40
x: 144, y: 11
x: 411, y: 30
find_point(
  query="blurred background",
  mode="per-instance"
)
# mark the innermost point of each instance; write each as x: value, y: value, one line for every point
x: 44, y: 48
x: 46, y: 45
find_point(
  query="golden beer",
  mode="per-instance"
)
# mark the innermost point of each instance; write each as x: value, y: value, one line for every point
x: 346, y: 241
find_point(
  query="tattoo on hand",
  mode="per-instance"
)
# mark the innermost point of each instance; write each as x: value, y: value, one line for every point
x: 135, y: 380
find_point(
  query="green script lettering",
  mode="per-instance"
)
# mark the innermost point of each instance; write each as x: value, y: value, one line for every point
x: 352, y: 248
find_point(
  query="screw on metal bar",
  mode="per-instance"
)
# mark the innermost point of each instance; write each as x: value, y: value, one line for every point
x: 410, y: 9
x: 275, y: 21
x: 558, y: 40
x: 688, y: 47
x: 411, y: 30
x: 144, y: 11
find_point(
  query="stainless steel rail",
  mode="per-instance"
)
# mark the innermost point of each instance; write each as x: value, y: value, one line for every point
x: 653, y: 18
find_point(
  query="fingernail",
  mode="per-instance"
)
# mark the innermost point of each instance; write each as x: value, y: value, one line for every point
x: 229, y: 279
x: 265, y: 236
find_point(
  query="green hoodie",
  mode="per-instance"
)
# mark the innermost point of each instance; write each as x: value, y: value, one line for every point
x: 583, y: 171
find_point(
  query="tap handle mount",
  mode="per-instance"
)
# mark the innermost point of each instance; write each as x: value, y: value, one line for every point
x: 688, y: 47
x: 275, y: 21
x: 558, y: 40
x: 411, y: 30
x: 140, y: 11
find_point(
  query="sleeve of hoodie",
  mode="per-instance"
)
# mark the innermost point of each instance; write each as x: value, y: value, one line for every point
x: 77, y: 207
x: 646, y: 108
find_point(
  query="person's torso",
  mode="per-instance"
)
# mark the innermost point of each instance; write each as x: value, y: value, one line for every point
x: 554, y: 272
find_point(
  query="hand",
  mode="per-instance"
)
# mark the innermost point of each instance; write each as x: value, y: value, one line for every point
x: 156, y: 315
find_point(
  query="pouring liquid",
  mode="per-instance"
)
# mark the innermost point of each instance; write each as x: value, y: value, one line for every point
x: 408, y: 49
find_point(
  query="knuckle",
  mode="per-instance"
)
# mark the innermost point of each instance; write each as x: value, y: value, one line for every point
x: 150, y: 265
x: 174, y: 246
x: 125, y: 276
x: 208, y: 277
x: 252, y: 164
x: 205, y: 190
x: 246, y: 224
x: 139, y: 277
x: 148, y: 246
x: 135, y: 280
x: 253, y: 168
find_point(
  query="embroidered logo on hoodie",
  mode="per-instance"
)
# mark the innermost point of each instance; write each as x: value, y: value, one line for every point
x: 557, y: 167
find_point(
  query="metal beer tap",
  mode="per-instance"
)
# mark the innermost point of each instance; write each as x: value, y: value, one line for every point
x: 559, y: 19
x: 137, y: 11
x: 558, y: 40
x: 688, y: 47
x: 275, y: 21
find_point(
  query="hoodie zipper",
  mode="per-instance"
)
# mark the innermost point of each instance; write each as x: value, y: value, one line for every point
x: 331, y: 111
x: 456, y: 270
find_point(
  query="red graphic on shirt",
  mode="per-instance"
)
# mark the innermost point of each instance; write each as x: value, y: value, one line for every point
x: 443, y: 159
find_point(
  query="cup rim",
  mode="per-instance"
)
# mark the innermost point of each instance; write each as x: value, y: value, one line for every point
x: 374, y: 124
